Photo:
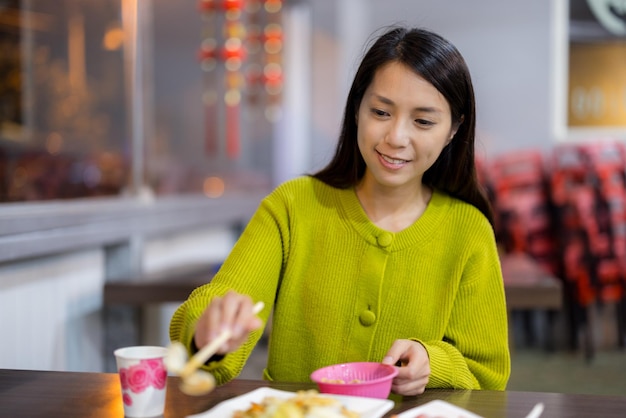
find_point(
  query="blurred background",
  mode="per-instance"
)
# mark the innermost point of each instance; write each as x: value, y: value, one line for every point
x: 138, y: 136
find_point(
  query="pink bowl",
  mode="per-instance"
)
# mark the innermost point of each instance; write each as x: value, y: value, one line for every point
x: 372, y: 380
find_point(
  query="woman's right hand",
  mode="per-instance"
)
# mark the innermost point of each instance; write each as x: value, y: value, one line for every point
x: 232, y: 311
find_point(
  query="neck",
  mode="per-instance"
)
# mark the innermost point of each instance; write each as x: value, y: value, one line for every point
x: 393, y: 209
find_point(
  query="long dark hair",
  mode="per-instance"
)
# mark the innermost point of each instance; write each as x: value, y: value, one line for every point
x: 440, y: 63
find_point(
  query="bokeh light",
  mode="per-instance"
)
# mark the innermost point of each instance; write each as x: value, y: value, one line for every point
x: 213, y: 187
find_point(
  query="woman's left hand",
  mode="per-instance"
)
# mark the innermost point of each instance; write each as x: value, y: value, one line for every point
x: 414, y: 370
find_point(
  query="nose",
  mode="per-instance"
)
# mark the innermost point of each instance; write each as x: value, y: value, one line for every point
x: 399, y: 133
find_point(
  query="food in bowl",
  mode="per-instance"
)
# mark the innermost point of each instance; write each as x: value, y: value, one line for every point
x: 305, y: 404
x: 340, y: 381
x: 367, y: 379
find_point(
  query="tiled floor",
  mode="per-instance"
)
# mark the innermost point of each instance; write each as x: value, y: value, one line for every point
x: 538, y: 371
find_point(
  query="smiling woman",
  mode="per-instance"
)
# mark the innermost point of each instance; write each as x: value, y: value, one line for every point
x: 386, y: 255
x: 404, y: 124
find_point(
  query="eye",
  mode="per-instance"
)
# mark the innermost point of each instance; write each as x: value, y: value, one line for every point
x: 424, y: 122
x: 379, y: 112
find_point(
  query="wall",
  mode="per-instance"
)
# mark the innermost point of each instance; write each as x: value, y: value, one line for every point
x: 52, y: 306
x: 508, y: 47
x: 55, y: 259
x: 199, y: 247
x: 50, y: 310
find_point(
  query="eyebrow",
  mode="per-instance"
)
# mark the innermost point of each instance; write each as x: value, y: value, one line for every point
x: 428, y: 109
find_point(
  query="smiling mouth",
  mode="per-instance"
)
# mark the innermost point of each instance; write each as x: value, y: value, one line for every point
x: 392, y: 160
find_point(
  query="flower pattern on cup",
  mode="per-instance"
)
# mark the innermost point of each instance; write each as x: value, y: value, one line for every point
x: 139, y: 377
x: 128, y: 400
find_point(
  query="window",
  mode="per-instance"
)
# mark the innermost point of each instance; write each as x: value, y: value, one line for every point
x: 63, y: 131
x: 596, y: 69
x: 108, y: 97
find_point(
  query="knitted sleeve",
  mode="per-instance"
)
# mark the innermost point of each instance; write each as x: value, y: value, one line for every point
x: 253, y: 267
x: 474, y: 353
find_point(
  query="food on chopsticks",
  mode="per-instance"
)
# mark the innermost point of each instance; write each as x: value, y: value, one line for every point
x: 197, y: 382
x: 305, y: 404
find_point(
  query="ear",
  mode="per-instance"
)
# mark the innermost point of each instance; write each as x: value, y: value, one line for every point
x: 455, y: 128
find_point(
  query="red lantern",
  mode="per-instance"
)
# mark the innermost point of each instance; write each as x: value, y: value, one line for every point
x: 233, y: 50
x: 207, y: 5
x: 206, y: 53
x: 233, y: 5
x: 273, y: 32
x: 273, y: 6
x: 258, y: 40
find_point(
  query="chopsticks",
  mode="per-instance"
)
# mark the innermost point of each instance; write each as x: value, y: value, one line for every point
x: 210, y: 349
x: 536, y: 411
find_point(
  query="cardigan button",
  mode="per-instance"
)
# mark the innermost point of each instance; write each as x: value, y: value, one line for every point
x: 367, y: 318
x: 384, y: 239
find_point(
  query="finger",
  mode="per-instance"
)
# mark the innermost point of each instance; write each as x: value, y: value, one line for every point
x: 207, y: 325
x: 405, y: 374
x: 243, y: 317
x: 232, y: 309
x: 410, y: 387
x: 233, y: 312
x: 388, y: 359
x: 214, y: 320
x: 254, y: 324
x: 397, y: 352
x: 229, y: 307
x: 201, y: 335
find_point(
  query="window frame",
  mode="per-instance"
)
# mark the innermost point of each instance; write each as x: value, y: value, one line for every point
x: 560, y: 78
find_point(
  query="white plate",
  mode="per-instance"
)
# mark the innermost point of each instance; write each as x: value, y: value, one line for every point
x: 438, y: 409
x: 367, y: 407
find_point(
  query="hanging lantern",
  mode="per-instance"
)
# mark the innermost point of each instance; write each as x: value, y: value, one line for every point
x: 273, y: 6
x: 240, y: 54
x: 207, y: 5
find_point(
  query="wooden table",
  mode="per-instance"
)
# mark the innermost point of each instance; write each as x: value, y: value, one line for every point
x: 69, y: 394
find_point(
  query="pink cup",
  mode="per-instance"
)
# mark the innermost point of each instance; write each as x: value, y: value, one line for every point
x: 143, y: 378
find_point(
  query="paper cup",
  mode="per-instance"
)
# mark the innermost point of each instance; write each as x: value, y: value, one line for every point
x: 143, y: 378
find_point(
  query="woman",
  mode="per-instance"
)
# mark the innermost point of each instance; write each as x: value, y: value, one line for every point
x: 387, y: 254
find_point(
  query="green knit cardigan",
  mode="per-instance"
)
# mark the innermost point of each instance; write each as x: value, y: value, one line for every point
x: 341, y: 289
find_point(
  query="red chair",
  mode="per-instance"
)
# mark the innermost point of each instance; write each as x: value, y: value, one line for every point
x: 522, y: 206
x: 588, y: 190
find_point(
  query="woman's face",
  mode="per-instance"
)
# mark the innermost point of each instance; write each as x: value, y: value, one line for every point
x: 403, y: 124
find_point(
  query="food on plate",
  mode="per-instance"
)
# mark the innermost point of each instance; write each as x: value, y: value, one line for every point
x: 305, y: 404
x: 423, y: 415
